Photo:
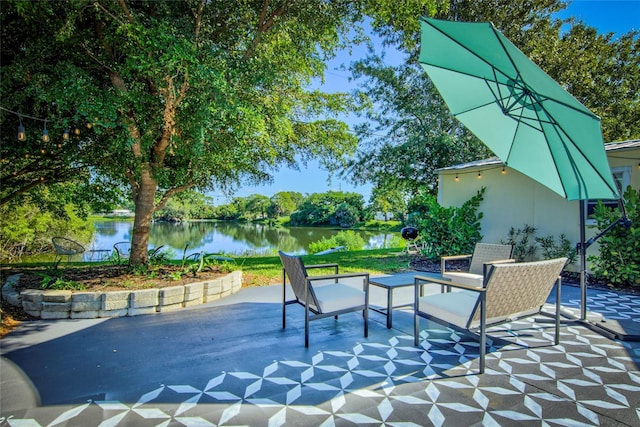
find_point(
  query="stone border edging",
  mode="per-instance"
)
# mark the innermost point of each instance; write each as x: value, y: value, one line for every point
x: 55, y: 304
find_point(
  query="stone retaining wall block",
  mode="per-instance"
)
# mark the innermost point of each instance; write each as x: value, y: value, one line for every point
x: 193, y: 292
x: 212, y: 289
x: 227, y: 284
x: 144, y: 298
x: 86, y: 301
x: 31, y: 295
x: 31, y: 306
x: 56, y: 306
x: 54, y: 295
x: 171, y: 296
x: 118, y: 300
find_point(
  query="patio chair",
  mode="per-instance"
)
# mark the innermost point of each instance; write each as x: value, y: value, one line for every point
x: 122, y: 251
x: 482, y: 253
x: 68, y: 247
x: 509, y: 292
x: 322, y: 300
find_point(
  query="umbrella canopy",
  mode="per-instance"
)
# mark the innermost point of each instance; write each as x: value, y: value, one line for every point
x: 531, y: 123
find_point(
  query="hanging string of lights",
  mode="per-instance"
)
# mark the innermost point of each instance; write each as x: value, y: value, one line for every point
x: 478, y: 174
x: 22, y: 133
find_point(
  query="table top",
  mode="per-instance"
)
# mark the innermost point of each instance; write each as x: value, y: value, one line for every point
x: 401, y: 279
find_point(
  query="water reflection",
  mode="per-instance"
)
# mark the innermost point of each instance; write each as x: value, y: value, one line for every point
x: 225, y: 237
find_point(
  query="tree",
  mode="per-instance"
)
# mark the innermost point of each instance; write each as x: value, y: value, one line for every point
x: 329, y: 208
x: 284, y: 202
x: 410, y: 133
x: 257, y: 206
x: 178, y: 94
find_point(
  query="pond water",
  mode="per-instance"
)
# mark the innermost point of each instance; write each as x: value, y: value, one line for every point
x: 228, y: 238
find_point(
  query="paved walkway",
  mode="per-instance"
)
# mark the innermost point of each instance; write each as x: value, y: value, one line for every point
x: 230, y: 363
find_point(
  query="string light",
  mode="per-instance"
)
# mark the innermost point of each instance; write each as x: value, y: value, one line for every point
x: 45, y: 133
x: 457, y: 178
x: 479, y: 175
x: 22, y: 134
x: 504, y: 171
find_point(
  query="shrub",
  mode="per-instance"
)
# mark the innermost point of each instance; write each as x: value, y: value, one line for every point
x: 351, y: 240
x: 26, y: 228
x: 619, y: 260
x: 447, y: 231
x: 524, y: 245
x: 551, y: 249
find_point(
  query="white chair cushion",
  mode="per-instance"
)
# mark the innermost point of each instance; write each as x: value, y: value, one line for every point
x: 464, y: 278
x: 452, y: 307
x: 338, y: 297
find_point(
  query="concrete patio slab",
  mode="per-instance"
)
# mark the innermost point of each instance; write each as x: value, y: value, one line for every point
x: 230, y: 363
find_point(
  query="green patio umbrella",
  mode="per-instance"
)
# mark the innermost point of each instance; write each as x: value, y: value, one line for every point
x: 531, y: 123
x: 527, y: 119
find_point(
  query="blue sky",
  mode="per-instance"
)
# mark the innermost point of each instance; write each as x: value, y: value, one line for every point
x: 617, y: 16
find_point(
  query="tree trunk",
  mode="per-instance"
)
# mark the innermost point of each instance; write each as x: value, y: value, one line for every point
x: 145, y: 207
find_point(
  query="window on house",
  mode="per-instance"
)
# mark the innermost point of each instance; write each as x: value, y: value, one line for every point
x: 622, y: 178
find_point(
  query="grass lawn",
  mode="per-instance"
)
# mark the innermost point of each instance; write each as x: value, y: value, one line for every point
x: 258, y: 271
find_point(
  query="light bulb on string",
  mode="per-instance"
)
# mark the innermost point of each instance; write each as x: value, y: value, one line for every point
x: 65, y: 135
x: 22, y: 134
x: 76, y: 131
x: 45, y: 133
x: 504, y: 171
x: 479, y: 175
x: 457, y: 178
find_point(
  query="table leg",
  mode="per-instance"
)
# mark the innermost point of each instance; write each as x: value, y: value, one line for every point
x: 389, y: 307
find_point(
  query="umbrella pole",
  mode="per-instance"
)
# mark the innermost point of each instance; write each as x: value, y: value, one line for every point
x: 583, y: 264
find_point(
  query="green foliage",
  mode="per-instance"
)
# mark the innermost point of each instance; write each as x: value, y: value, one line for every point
x: 523, y: 241
x: 60, y: 283
x: 409, y: 132
x: 27, y: 228
x: 330, y: 208
x: 619, y: 260
x: 346, y: 215
x: 176, y: 95
x: 189, y: 204
x: 561, y: 249
x: 351, y: 241
x: 284, y: 203
x: 446, y: 231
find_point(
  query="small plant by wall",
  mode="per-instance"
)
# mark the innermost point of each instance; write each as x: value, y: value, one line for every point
x: 523, y: 241
x: 562, y: 248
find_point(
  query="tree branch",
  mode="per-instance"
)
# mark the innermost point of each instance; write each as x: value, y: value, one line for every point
x: 264, y: 25
x: 126, y: 11
x: 167, y: 195
x: 199, y: 21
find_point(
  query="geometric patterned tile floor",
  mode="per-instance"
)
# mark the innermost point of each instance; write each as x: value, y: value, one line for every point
x: 263, y: 376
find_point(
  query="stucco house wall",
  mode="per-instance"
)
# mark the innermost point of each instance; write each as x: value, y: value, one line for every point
x: 512, y: 199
